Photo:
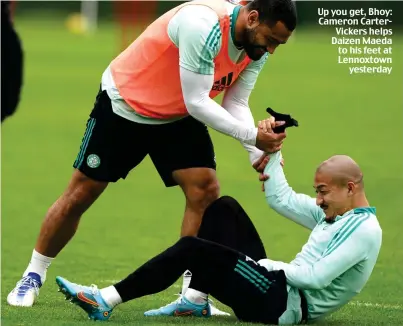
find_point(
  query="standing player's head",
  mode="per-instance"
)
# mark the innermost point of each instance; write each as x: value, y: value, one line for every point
x: 339, y: 186
x: 265, y: 24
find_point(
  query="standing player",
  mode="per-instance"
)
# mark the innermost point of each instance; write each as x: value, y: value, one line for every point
x: 228, y: 259
x: 156, y: 98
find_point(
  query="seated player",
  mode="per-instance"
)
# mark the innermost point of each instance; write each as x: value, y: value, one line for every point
x: 229, y: 261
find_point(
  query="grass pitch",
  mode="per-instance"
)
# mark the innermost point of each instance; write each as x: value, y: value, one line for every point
x: 135, y: 219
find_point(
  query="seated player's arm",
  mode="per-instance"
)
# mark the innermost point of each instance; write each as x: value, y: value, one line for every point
x: 353, y: 245
x: 236, y: 101
x: 299, y: 208
x: 195, y: 30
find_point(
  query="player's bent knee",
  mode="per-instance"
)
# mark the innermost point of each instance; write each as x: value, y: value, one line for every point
x: 223, y: 203
x: 203, y: 195
x: 227, y: 201
x: 212, y: 191
x: 189, y: 243
x: 187, y: 240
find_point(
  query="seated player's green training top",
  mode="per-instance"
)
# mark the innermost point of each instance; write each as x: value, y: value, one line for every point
x: 338, y: 259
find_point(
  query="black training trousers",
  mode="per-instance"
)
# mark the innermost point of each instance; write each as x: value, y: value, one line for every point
x: 223, y: 263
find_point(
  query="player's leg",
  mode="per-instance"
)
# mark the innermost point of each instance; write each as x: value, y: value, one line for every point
x: 200, y: 187
x: 63, y: 217
x: 98, y: 163
x: 184, y: 156
x: 254, y: 294
x: 239, y: 280
x: 152, y: 277
x: 226, y: 222
x: 188, y: 160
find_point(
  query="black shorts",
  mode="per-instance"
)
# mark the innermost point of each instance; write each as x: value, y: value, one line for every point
x: 112, y: 145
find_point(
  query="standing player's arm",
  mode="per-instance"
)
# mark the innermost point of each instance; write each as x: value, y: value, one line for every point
x: 196, y: 32
x: 299, y: 208
x: 353, y: 245
x: 236, y: 101
x: 196, y: 89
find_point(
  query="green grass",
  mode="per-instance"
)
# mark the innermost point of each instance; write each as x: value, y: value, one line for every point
x: 135, y: 219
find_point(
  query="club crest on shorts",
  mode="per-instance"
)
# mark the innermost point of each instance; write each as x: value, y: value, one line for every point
x: 93, y: 161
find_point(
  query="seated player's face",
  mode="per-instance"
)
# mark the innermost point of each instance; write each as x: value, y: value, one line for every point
x: 331, y: 196
x: 260, y: 38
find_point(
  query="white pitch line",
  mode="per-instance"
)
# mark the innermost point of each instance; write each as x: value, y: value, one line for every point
x: 376, y: 305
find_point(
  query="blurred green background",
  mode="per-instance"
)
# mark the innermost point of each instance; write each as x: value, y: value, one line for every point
x: 357, y: 115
